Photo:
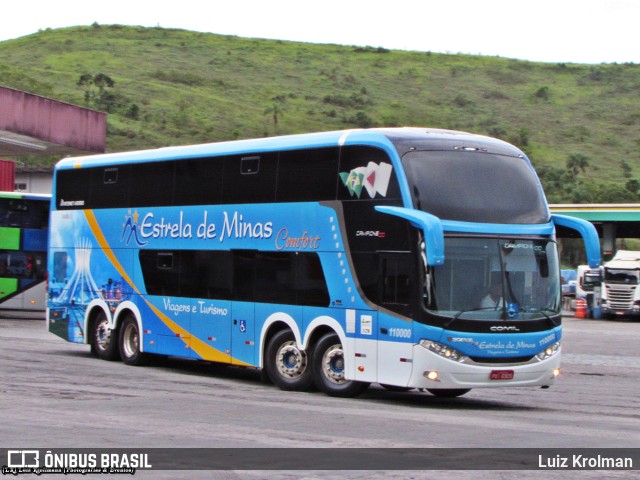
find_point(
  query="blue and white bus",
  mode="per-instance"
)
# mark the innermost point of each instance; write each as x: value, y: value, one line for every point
x: 332, y: 259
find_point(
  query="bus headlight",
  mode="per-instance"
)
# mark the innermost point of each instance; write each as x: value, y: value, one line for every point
x: 549, y: 351
x: 443, y: 350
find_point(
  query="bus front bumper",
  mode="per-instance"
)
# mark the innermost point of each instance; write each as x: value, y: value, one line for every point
x: 431, y: 371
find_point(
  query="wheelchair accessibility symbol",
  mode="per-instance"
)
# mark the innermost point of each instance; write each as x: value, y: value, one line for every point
x: 243, y: 326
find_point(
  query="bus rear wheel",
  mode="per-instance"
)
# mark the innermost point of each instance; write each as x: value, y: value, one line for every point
x: 327, y: 365
x: 129, y: 342
x: 104, y: 340
x: 448, y: 392
x: 286, y: 364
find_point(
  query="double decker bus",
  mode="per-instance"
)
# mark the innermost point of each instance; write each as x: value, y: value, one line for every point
x: 334, y: 259
x: 23, y: 253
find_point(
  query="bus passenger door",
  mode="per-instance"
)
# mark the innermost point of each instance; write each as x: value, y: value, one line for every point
x: 395, y: 350
x: 243, y: 333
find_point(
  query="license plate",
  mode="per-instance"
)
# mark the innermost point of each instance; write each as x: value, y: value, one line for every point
x: 501, y: 375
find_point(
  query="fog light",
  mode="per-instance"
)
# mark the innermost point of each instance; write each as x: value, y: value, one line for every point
x: 432, y: 375
x: 556, y: 372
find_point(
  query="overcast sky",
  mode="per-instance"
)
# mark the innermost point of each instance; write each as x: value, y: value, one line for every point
x: 575, y: 31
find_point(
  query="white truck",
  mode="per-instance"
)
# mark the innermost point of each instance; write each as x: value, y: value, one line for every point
x: 620, y: 285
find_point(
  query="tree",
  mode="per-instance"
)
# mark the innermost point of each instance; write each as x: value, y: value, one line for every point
x: 633, y: 185
x: 542, y: 93
x: 277, y: 109
x: 576, y: 163
x: 102, y: 81
x: 103, y: 98
x: 133, y: 112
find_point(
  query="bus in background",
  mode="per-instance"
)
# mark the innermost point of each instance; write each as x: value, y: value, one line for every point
x: 408, y: 257
x: 23, y: 252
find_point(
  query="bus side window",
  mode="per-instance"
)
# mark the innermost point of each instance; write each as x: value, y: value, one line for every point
x: 250, y: 179
x: 275, y: 278
x: 307, y: 175
x: 109, y: 187
x: 161, y: 272
x: 151, y: 184
x: 198, y: 181
x: 24, y: 214
x: 22, y: 265
x: 288, y: 278
x: 395, y: 281
x: 309, y: 280
x: 74, y: 185
x: 244, y: 275
x: 37, y: 215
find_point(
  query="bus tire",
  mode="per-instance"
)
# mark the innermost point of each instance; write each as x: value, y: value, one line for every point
x: 104, y: 340
x: 327, y: 366
x: 129, y: 342
x: 287, y: 366
x: 448, y: 392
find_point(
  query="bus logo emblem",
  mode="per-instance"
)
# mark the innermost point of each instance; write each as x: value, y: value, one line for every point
x: 374, y: 179
x: 130, y: 226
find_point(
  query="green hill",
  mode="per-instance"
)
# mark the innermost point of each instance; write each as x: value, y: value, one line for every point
x: 579, y: 124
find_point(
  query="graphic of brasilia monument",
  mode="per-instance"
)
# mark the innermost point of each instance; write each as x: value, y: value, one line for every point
x: 81, y: 288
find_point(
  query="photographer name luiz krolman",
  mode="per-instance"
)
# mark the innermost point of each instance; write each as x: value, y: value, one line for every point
x: 587, y: 462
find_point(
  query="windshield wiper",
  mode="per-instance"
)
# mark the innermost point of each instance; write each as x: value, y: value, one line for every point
x: 478, y: 309
x: 551, y: 321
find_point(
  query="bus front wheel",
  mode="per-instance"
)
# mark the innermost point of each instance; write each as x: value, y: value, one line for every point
x: 286, y: 364
x: 130, y: 342
x: 327, y: 365
x: 104, y: 340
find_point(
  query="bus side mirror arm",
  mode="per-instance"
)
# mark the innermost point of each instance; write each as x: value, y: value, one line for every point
x: 430, y: 225
x: 588, y: 233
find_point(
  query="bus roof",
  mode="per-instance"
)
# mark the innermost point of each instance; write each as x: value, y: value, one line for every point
x: 381, y: 138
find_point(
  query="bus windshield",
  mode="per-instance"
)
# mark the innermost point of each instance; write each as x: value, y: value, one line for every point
x: 473, y: 186
x: 495, y: 278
